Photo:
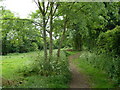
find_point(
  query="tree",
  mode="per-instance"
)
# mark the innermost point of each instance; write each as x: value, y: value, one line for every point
x: 47, y: 10
x: 52, y: 13
x: 83, y: 21
x: 64, y: 11
x: 18, y: 34
x: 43, y: 11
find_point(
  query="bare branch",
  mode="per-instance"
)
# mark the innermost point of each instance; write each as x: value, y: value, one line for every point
x: 37, y: 24
x: 51, y: 8
x: 47, y: 8
x: 36, y: 3
x: 40, y: 8
x: 51, y: 5
x: 48, y: 31
x: 47, y: 19
x: 55, y: 9
x: 43, y: 4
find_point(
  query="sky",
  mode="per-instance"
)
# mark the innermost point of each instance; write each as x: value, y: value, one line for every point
x: 21, y: 8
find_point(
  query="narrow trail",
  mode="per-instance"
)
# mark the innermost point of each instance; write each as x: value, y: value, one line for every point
x: 79, y: 80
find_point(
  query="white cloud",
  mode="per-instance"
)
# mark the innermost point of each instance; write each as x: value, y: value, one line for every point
x: 22, y: 7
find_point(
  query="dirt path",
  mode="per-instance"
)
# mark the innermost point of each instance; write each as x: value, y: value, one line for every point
x: 79, y: 80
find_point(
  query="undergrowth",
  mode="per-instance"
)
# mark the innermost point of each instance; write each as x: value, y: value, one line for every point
x: 37, y: 73
x: 106, y: 64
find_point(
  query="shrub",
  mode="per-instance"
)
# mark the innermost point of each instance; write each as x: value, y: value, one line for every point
x: 109, y: 42
x: 105, y: 62
x: 56, y: 71
x: 34, y: 46
x: 47, y: 68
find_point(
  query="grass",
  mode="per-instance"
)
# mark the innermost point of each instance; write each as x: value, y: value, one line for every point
x: 68, y: 53
x: 16, y: 65
x: 37, y: 81
x: 97, y: 77
x: 13, y: 62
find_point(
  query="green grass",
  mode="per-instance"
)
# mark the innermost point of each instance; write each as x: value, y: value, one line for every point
x: 68, y: 53
x: 13, y: 62
x: 37, y: 81
x: 97, y: 77
x: 15, y: 65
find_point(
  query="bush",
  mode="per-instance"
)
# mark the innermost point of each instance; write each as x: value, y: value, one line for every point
x: 56, y: 71
x: 109, y: 42
x: 34, y: 47
x: 12, y: 46
x: 53, y: 66
x: 105, y: 62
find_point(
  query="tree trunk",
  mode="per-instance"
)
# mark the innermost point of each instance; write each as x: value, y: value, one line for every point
x: 61, y: 40
x: 44, y: 38
x: 51, y: 30
x: 51, y: 41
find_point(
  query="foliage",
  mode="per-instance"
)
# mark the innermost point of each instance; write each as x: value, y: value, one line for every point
x: 112, y: 16
x: 104, y: 62
x: 109, y: 42
x: 56, y: 66
x: 18, y: 35
x: 27, y: 72
x: 81, y: 24
x: 89, y: 21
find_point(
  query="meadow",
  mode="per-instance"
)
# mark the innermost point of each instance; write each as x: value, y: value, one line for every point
x: 20, y: 70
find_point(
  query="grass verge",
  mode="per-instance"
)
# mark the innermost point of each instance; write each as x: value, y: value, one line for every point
x: 97, y: 77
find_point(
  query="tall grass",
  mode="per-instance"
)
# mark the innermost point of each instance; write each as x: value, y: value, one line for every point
x: 31, y: 71
x: 104, y: 62
x: 54, y: 74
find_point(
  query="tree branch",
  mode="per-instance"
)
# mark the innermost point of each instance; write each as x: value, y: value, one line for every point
x: 79, y: 9
x: 36, y: 3
x: 40, y: 8
x: 47, y: 19
x: 47, y: 8
x: 43, y: 4
x: 48, y: 31
x: 55, y: 9
x: 38, y: 24
x: 72, y: 5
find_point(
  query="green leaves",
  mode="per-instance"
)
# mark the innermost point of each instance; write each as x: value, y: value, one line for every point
x: 109, y: 41
x: 18, y: 34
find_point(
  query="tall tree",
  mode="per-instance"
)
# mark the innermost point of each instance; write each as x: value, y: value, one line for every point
x: 64, y: 10
x: 47, y: 11
x: 43, y: 11
x: 53, y: 8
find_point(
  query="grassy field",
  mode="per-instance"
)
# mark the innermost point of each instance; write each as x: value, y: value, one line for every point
x: 16, y: 72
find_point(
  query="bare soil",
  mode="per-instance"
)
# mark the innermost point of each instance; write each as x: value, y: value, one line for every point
x: 79, y: 79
